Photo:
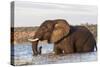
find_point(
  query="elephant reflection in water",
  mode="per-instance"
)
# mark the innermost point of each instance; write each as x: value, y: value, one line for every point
x: 66, y: 38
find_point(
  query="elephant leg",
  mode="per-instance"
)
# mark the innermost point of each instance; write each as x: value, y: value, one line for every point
x: 58, y: 51
x: 89, y: 45
x: 86, y: 46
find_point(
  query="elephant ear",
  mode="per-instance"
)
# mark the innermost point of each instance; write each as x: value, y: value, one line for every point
x: 61, y: 29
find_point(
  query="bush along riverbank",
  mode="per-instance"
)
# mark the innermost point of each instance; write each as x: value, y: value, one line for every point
x: 22, y: 34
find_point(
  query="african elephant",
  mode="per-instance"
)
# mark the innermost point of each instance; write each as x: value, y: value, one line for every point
x: 66, y: 38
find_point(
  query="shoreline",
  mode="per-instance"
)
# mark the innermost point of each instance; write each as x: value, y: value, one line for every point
x: 55, y: 59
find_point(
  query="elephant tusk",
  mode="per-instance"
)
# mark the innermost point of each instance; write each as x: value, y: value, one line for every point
x: 32, y: 40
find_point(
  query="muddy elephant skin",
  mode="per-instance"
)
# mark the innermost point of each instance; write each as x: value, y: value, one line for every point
x: 66, y: 38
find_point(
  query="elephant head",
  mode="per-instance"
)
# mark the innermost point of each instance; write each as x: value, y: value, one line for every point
x: 52, y: 31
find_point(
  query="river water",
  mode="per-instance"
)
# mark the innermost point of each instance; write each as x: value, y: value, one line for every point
x: 23, y: 55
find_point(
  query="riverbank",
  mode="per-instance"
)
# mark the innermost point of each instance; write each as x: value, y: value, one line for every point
x: 22, y: 34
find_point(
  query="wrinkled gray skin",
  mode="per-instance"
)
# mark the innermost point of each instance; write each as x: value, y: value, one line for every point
x: 67, y: 39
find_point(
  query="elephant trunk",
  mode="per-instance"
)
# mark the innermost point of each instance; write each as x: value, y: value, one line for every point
x: 40, y: 50
x: 35, y: 46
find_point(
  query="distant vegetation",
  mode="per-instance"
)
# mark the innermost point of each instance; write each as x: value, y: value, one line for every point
x: 25, y: 29
x: 22, y: 34
x: 92, y: 28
